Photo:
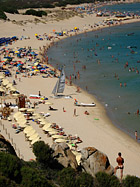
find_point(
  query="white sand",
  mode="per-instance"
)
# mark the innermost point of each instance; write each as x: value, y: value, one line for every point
x: 97, y: 133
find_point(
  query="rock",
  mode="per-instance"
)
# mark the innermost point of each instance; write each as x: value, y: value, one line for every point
x: 93, y: 161
x: 6, y: 146
x: 64, y: 155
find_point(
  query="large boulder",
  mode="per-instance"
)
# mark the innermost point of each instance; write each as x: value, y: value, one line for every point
x: 93, y: 161
x: 64, y: 155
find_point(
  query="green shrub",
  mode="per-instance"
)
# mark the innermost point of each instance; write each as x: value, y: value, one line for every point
x: 35, y: 13
x: 114, y: 181
x: 2, y: 15
x: 47, y: 5
x: 67, y: 177
x: 10, y: 166
x: 32, y: 178
x: 105, y: 180
x: 131, y: 181
x: 84, y: 180
x: 43, y: 153
x: 11, y: 10
x: 6, y: 182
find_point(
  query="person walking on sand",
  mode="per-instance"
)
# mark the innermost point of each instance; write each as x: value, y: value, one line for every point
x: 136, y: 135
x: 138, y: 112
x: 74, y: 112
x: 120, y: 165
x: 39, y: 93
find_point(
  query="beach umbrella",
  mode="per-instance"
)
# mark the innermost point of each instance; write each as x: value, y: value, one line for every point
x: 41, y: 118
x: 30, y: 133
x: 28, y: 129
x: 5, y: 82
x: 22, y: 109
x: 36, y: 34
x: 53, y: 132
x: 30, y: 110
x: 43, y: 122
x: 9, y: 85
x: 36, y: 114
x: 46, y: 126
x: 23, y: 125
x: 12, y: 88
x: 1, y: 77
x: 15, y: 94
x: 21, y: 121
x: 34, y: 136
x: 49, y: 129
x: 58, y: 136
x: 35, y: 140
x: 60, y: 140
x: 19, y: 118
x: 48, y: 103
x: 1, y: 89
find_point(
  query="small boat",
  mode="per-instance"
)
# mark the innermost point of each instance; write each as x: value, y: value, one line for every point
x: 86, y: 104
x: 60, y: 85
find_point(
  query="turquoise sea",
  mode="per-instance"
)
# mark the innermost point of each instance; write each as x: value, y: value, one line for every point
x: 111, y: 57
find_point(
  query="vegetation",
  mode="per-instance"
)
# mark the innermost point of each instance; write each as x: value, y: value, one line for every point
x: 7, y: 182
x: 10, y: 166
x: 2, y: 15
x: 12, y: 6
x: 69, y: 178
x: 36, y: 13
x: 43, y: 153
x: 46, y: 172
x: 131, y: 181
x: 103, y: 179
x: 32, y: 177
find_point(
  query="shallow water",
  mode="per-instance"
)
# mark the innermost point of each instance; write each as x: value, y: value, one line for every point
x: 104, y: 56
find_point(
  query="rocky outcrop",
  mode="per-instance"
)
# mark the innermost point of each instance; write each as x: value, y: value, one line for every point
x: 64, y: 155
x: 6, y: 146
x: 93, y: 161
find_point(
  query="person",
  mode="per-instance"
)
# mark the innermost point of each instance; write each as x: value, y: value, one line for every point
x: 50, y: 108
x: 86, y: 112
x: 74, y: 112
x: 64, y: 110
x: 138, y: 112
x: 136, y: 135
x: 78, y: 89
x: 39, y: 93
x: 120, y: 166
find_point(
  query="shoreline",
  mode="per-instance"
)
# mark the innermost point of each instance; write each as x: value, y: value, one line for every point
x: 106, y: 114
x: 97, y: 133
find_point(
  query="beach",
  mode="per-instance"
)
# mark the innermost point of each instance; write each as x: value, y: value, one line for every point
x: 95, y: 130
